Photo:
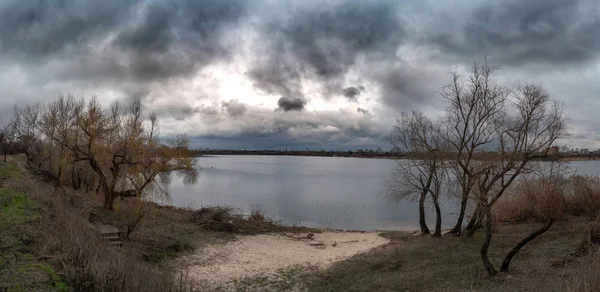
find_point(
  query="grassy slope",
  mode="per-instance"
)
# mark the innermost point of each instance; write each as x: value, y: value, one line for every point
x: 412, y: 263
x: 19, y: 269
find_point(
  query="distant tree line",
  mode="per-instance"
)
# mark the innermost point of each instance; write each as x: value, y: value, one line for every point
x: 321, y: 153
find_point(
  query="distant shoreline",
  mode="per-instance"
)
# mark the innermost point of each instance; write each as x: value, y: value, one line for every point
x: 291, y: 155
x: 550, y: 158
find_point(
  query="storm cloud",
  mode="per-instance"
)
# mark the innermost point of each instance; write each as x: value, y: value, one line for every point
x: 291, y: 104
x: 516, y: 32
x: 218, y: 69
x: 352, y: 93
x: 127, y: 40
x: 324, y: 42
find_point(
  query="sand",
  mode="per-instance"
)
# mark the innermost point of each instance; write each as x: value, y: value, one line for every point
x: 264, y: 254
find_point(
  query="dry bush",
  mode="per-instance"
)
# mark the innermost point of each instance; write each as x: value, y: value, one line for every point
x: 257, y: 213
x: 587, y: 276
x: 82, y: 257
x: 538, y: 199
x: 225, y: 219
x: 575, y: 196
x: 584, y: 196
x: 217, y: 218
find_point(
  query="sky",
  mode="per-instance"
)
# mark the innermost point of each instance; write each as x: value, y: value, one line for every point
x: 276, y: 74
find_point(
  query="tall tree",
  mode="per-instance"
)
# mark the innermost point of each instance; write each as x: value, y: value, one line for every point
x: 523, y: 132
x: 474, y: 106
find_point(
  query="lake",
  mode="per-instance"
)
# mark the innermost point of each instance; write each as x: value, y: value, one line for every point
x: 324, y: 192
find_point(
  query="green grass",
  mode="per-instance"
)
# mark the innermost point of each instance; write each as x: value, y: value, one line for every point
x: 19, y: 269
x: 425, y: 263
x: 8, y: 170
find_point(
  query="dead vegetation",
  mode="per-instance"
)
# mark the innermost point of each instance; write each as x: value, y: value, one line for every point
x: 580, y: 197
x: 425, y: 263
x: 226, y: 219
x: 64, y: 238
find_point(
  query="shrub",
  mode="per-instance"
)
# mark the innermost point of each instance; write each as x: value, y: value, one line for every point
x: 571, y: 196
x: 216, y: 218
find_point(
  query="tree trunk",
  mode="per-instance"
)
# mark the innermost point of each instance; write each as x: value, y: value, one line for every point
x: 108, y: 201
x: 108, y: 193
x: 74, y: 181
x: 475, y: 222
x: 438, y: 217
x: 5, y: 153
x: 422, y: 222
x: 457, y: 229
x: 486, y: 244
x: 515, y: 250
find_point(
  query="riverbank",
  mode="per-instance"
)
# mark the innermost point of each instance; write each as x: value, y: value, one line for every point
x: 47, y: 238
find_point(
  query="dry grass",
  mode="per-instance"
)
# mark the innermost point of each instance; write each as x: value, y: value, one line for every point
x: 586, y: 276
x: 87, y: 263
x: 578, y: 196
x: 417, y: 263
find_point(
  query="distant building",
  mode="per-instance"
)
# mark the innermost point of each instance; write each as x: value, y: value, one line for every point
x: 553, y: 150
x: 584, y: 151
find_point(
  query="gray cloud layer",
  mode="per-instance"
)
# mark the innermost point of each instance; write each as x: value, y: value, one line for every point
x: 401, y: 50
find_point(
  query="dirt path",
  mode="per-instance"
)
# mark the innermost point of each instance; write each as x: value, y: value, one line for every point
x: 251, y: 256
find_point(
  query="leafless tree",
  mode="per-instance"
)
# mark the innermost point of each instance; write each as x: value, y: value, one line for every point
x: 26, y: 124
x: 8, y: 137
x: 422, y: 169
x: 122, y: 150
x: 474, y: 105
x: 522, y: 133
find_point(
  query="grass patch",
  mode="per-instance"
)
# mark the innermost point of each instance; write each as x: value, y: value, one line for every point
x: 425, y: 263
x: 19, y: 269
x: 286, y: 279
x: 8, y: 170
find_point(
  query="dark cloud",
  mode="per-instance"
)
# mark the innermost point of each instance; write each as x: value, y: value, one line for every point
x: 277, y: 78
x: 291, y: 103
x: 234, y: 108
x: 352, y: 93
x: 177, y: 112
x: 362, y: 111
x: 405, y: 86
x: 126, y: 40
x: 517, y: 32
x: 40, y: 28
x: 324, y: 42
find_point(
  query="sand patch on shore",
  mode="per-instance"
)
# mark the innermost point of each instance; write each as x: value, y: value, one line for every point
x: 250, y: 256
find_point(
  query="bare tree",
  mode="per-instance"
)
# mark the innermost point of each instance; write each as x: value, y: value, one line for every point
x: 474, y: 106
x: 422, y: 170
x: 8, y: 137
x: 523, y: 133
x: 26, y: 124
x: 117, y: 144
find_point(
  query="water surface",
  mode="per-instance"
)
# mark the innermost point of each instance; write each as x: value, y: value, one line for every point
x: 331, y: 192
